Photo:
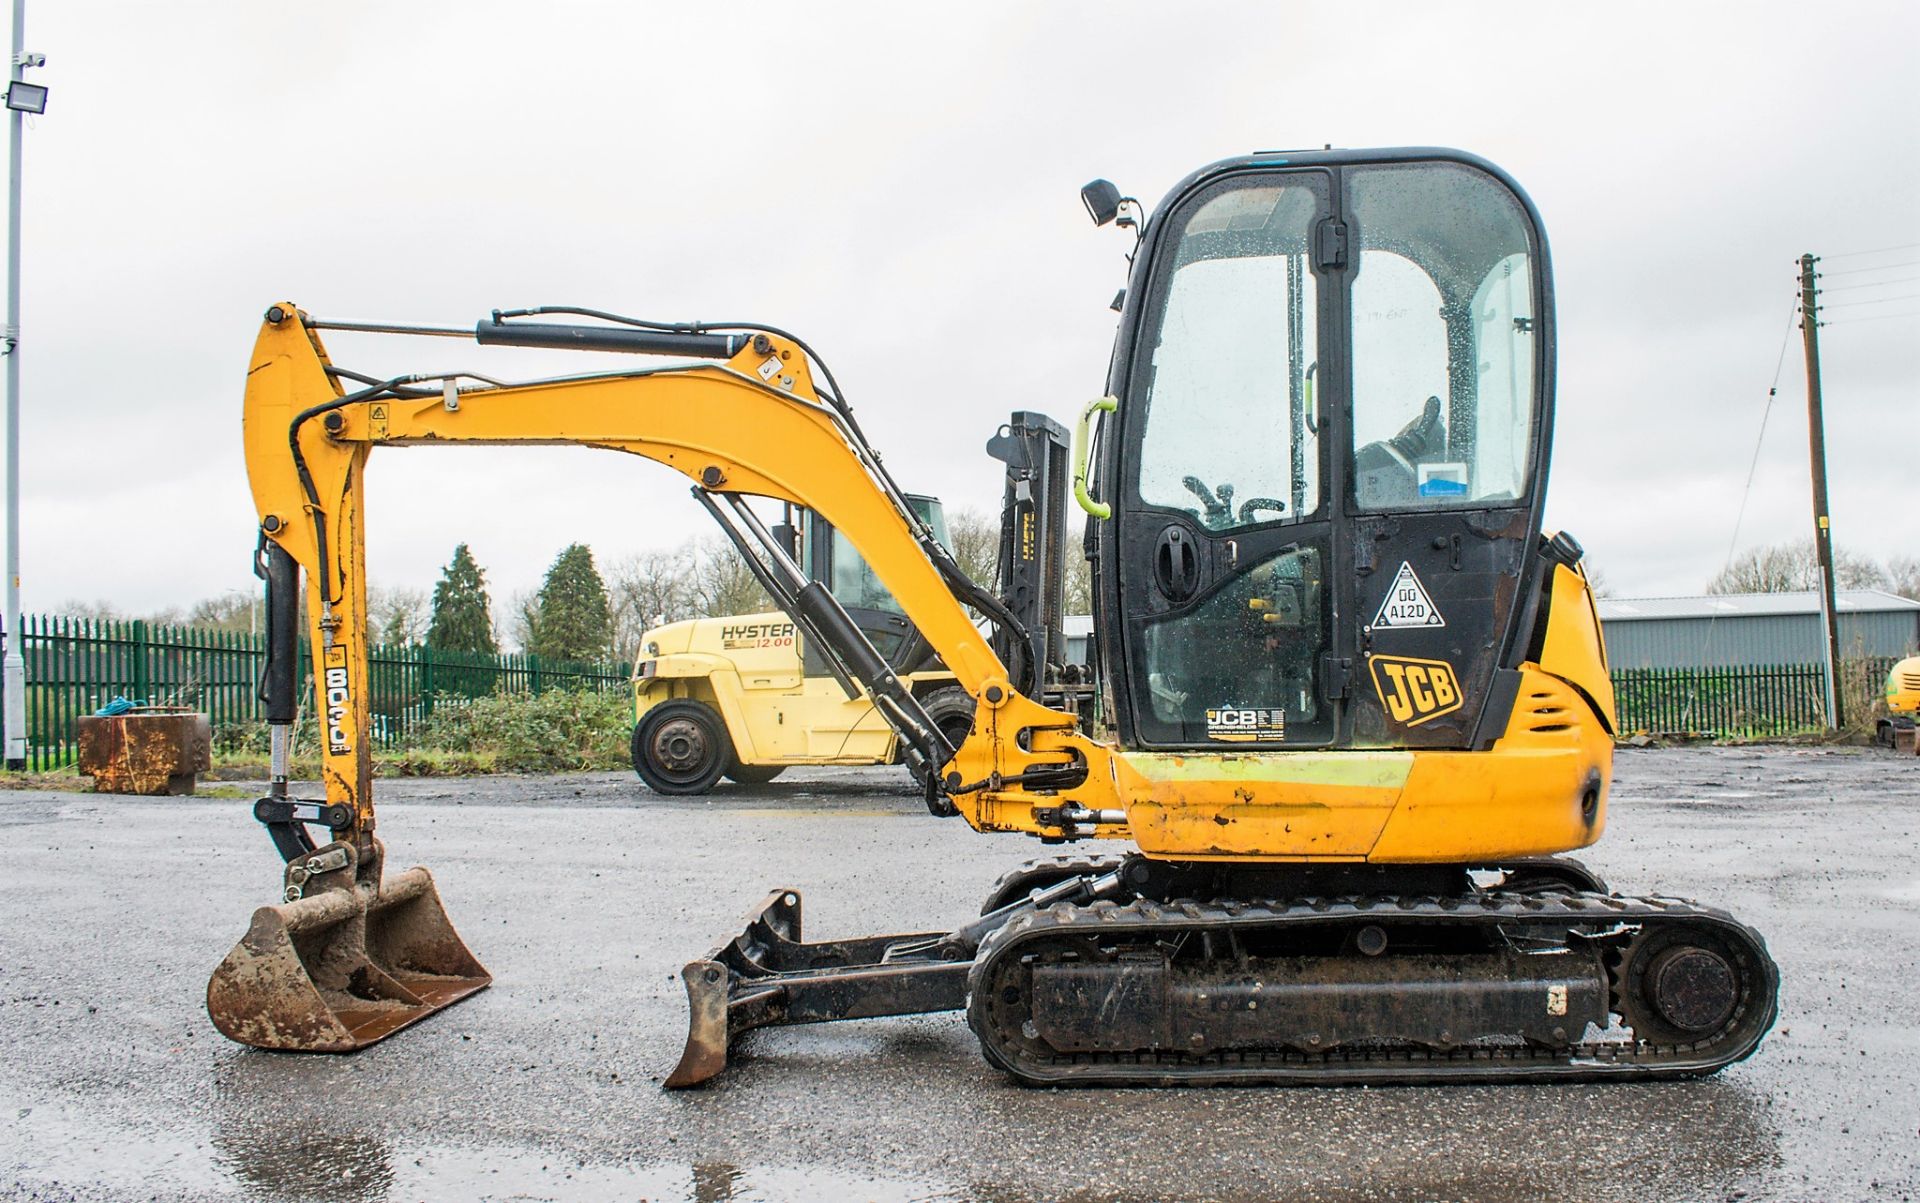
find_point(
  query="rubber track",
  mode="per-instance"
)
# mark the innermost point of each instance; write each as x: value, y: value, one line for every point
x: 1590, y: 913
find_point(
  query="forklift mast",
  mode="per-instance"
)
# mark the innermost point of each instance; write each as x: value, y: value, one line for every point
x: 1033, y: 545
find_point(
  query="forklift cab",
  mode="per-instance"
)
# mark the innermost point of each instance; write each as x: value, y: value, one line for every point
x: 838, y: 565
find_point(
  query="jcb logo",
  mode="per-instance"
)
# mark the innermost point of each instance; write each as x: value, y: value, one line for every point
x: 1414, y: 691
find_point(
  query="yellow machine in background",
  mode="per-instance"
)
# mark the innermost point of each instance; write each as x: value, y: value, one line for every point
x: 730, y: 697
x: 741, y: 697
x: 1903, y: 705
x: 744, y: 697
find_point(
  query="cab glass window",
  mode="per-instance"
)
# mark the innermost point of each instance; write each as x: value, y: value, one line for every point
x: 1240, y: 668
x: 1230, y: 435
x: 1443, y: 339
x: 853, y: 581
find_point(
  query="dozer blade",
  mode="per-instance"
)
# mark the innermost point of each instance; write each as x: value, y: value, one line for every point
x: 340, y: 969
x: 765, y: 977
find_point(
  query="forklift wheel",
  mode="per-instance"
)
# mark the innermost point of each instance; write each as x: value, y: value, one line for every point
x: 951, y: 709
x: 680, y: 748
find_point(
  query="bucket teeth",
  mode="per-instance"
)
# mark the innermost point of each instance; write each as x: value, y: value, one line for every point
x: 343, y: 968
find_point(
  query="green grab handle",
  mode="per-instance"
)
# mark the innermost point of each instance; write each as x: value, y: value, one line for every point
x: 1099, y: 509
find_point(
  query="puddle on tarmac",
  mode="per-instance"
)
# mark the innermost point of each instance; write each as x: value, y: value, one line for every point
x: 808, y: 812
x: 368, y: 1175
x: 60, y: 1149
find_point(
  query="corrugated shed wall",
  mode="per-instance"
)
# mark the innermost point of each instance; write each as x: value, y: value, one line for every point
x: 1738, y: 639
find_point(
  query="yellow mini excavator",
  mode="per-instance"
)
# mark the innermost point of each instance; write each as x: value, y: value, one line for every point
x: 1352, y: 704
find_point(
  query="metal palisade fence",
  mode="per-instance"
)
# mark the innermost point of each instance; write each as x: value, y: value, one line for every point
x: 77, y: 665
x: 1748, y: 701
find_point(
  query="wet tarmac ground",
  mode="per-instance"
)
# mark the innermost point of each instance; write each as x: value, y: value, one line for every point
x: 584, y: 895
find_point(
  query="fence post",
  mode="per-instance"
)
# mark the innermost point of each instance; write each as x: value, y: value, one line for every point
x: 138, y: 652
x: 423, y: 656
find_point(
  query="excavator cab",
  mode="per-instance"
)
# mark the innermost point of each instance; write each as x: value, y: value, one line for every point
x: 1325, y: 468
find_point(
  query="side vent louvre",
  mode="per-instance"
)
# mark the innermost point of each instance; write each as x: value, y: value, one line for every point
x: 1547, y: 714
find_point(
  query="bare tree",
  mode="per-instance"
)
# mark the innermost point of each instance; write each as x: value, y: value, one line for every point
x: 514, y: 628
x: 96, y: 611
x: 647, y: 589
x: 1903, y: 574
x: 233, y: 611
x: 974, y: 539
x: 1077, y: 591
x: 398, y: 615
x: 1795, y: 568
x: 722, y: 583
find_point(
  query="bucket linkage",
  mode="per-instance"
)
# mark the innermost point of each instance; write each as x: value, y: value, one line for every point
x: 766, y: 976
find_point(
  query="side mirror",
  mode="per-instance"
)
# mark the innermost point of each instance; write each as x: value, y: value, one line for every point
x: 1102, y: 200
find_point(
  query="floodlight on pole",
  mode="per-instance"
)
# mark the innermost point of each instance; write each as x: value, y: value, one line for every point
x: 22, y: 98
x: 27, y: 98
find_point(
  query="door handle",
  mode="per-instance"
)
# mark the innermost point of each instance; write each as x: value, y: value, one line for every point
x: 1176, y: 564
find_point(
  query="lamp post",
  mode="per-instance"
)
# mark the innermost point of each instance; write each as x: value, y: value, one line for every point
x: 22, y: 98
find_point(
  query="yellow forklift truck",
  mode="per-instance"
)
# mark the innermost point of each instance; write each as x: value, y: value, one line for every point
x: 747, y: 696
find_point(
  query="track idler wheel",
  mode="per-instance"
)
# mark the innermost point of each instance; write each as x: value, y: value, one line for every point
x: 1678, y: 987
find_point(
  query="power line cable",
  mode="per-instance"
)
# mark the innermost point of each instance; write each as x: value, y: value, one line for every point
x: 1879, y: 250
x: 1905, y: 296
x: 1878, y: 317
x: 1883, y: 267
x: 1875, y: 284
x: 1740, y: 516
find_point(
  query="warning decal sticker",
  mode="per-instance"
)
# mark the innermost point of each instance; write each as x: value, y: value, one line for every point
x: 1407, y: 603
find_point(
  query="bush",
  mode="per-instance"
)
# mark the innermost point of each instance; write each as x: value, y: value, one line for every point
x: 557, y: 731
x: 242, y: 737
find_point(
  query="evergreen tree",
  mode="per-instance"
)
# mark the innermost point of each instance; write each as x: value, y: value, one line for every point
x: 572, y: 620
x: 462, y: 618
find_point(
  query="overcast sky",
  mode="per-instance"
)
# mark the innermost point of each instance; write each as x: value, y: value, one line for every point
x: 897, y: 183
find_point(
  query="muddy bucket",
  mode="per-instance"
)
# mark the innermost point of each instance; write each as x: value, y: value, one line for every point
x: 343, y: 967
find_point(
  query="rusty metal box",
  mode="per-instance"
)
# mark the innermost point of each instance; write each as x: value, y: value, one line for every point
x: 148, y: 750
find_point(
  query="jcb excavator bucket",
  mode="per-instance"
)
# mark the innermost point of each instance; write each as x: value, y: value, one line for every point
x: 344, y: 967
x: 765, y: 976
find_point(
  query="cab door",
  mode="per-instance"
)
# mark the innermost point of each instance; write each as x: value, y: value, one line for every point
x: 1447, y: 318
x: 1224, y: 530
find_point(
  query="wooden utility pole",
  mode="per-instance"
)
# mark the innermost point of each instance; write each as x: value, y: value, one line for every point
x: 1817, y: 448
